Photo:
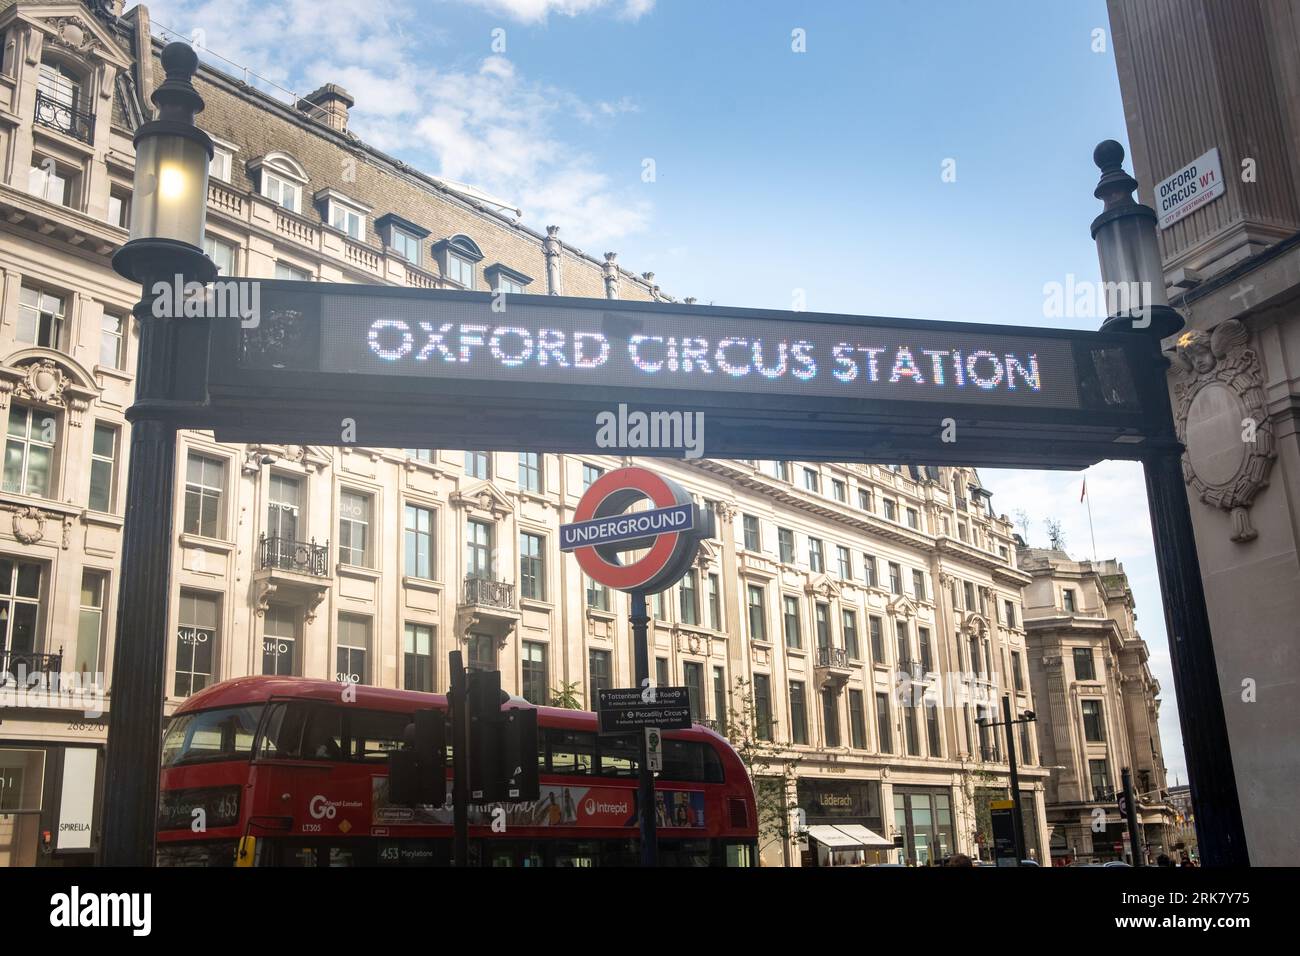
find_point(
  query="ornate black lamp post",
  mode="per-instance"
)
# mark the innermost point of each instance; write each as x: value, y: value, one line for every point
x: 1129, y: 253
x: 168, y: 208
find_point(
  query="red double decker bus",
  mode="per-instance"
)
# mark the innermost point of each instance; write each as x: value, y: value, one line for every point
x: 277, y: 771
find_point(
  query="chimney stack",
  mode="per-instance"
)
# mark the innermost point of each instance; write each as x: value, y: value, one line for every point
x: 328, y: 105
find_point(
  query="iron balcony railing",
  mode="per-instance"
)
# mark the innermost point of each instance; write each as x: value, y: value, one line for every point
x: 30, y: 669
x: 915, y: 670
x: 832, y: 657
x: 305, y: 557
x: 485, y: 592
x: 57, y: 115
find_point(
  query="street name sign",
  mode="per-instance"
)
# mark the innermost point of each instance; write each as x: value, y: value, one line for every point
x: 1197, y: 184
x: 623, y: 709
x: 341, y: 364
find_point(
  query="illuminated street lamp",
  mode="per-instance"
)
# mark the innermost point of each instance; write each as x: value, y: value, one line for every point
x: 1129, y: 252
x: 168, y: 208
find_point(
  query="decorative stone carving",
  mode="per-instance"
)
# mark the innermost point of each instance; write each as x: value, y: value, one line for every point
x: 824, y: 587
x: 691, y: 643
x: 313, y: 605
x: 264, y: 595
x: 42, y: 381
x: 29, y: 525
x: 725, y: 511
x: 73, y: 33
x: 1219, y: 387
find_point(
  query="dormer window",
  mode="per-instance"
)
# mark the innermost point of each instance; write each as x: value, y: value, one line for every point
x: 457, y: 256
x: 343, y: 213
x: 223, y: 159
x: 280, y: 179
x: 402, y: 237
x: 502, y: 278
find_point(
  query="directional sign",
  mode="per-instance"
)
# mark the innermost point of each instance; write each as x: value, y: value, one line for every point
x: 541, y: 372
x: 622, y: 709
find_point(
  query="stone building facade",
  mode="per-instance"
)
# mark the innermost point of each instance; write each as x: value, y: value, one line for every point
x: 1198, y: 76
x: 825, y: 583
x: 1099, y: 707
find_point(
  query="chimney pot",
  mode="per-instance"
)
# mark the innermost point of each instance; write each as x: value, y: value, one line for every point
x: 329, y: 105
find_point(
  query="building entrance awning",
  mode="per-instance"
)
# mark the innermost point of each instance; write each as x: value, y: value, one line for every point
x: 847, y: 836
x: 866, y: 838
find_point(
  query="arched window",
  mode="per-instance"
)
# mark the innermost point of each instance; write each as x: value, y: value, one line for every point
x: 280, y: 178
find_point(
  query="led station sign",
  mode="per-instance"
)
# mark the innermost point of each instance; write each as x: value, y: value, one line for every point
x: 529, y: 372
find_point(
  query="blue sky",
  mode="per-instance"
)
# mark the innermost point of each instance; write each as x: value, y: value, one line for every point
x: 774, y: 170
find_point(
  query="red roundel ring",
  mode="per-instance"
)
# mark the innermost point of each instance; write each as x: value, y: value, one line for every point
x: 612, y: 485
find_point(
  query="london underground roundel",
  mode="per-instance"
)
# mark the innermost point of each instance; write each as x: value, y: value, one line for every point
x: 669, y: 531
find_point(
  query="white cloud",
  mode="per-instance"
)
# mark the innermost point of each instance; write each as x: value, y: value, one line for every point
x: 486, y: 125
x: 537, y: 11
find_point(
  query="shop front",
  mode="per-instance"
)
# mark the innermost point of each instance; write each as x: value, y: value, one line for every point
x: 47, y: 804
x: 843, y: 823
x: 923, y: 817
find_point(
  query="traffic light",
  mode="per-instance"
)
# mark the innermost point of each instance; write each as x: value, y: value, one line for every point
x: 486, y: 784
x: 502, y: 745
x: 520, y: 753
x: 417, y: 772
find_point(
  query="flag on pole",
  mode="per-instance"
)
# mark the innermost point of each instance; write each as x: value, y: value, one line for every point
x: 1083, y: 494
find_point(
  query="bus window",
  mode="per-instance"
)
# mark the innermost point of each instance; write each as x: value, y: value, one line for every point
x: 576, y: 853
x: 691, y: 761
x: 572, y: 751
x: 282, y: 731
x: 683, y: 852
x: 206, y: 735
x: 739, y: 854
x: 374, y: 733
x: 322, y: 735
x: 620, y: 755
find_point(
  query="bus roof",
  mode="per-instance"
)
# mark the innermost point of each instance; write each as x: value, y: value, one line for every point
x: 258, y: 689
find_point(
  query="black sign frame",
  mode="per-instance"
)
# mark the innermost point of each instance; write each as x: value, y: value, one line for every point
x: 301, y: 406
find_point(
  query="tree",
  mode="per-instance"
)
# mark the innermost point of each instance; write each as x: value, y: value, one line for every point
x: 770, y: 774
x: 1055, y: 536
x: 978, y: 787
x: 1022, y: 522
x: 567, y: 696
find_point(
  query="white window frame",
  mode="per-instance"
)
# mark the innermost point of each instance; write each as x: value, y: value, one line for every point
x: 110, y: 460
x: 205, y: 491
x: 353, y: 522
x: 369, y: 627
x: 408, y: 238
x: 35, y: 311
x: 114, y: 337
x: 28, y: 441
x: 427, y: 534
x: 281, y: 190
x: 212, y: 242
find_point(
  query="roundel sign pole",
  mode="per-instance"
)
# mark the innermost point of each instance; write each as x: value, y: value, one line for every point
x: 669, y: 533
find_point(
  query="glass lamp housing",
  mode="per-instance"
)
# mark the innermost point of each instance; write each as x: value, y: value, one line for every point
x: 1129, y: 255
x: 170, y: 199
